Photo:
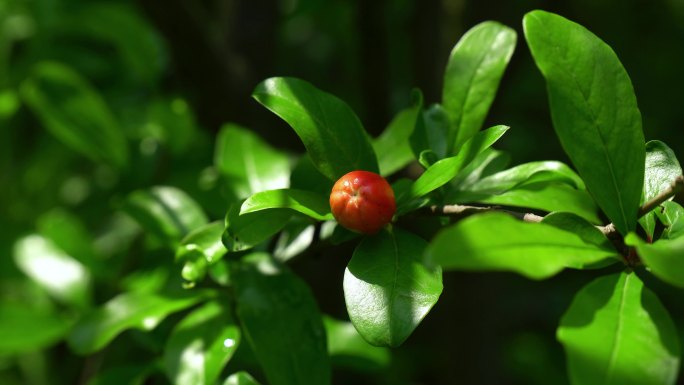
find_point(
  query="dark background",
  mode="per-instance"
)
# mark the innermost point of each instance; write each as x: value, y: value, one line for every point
x: 486, y: 328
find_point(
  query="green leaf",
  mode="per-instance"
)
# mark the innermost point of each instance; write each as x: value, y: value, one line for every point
x: 165, y: 212
x: 594, y: 112
x: 201, y: 345
x: 126, y: 311
x: 671, y: 214
x: 23, y: 329
x: 430, y: 133
x: 67, y: 232
x: 305, y: 176
x: 172, y: 122
x: 240, y: 378
x: 488, y: 162
x: 499, y: 242
x: 533, y: 172
x: 388, y: 288
x: 662, y: 168
x: 137, y: 45
x: 281, y: 322
x: 248, y: 230
x: 472, y: 76
x: 616, y: 331
x: 446, y: 169
x: 540, y: 196
x: 308, y: 203
x: 248, y: 163
x: 664, y: 258
x: 62, y: 276
x: 295, y: 237
x: 201, y: 248
x: 331, y: 132
x: 348, y: 349
x: 392, y: 146
x: 73, y: 111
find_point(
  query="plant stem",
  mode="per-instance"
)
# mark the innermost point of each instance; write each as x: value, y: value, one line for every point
x: 676, y: 187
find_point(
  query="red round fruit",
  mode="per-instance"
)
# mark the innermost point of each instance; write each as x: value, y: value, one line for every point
x: 362, y: 201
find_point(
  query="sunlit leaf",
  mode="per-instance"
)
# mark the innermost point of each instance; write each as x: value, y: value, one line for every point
x: 662, y: 168
x: 616, y: 332
x: 664, y: 258
x: 201, y: 344
x: 499, y: 242
x: 249, y: 164
x: 308, y: 203
x: 388, y: 288
x: 240, y: 378
x: 248, y: 230
x: 330, y: 130
x: 472, y: 76
x: 126, y: 311
x: 59, y: 274
x: 594, y: 112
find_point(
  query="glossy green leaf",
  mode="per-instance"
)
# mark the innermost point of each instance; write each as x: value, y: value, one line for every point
x: 201, y: 345
x: 662, y: 168
x: 73, y: 111
x: 584, y: 229
x: 541, y: 196
x: 308, y: 203
x: 472, y: 76
x: 430, y: 132
x: 671, y: 214
x: 249, y: 164
x: 446, y: 169
x: 331, y: 132
x: 392, y: 146
x: 664, y: 258
x: 616, y: 331
x: 388, y: 288
x: 24, y: 329
x: 126, y: 311
x: 248, y: 230
x: 59, y: 274
x: 201, y: 248
x: 533, y: 172
x: 240, y: 378
x: 488, y: 162
x: 594, y: 112
x: 165, y: 212
x: 348, y: 349
x: 499, y: 242
x: 281, y: 322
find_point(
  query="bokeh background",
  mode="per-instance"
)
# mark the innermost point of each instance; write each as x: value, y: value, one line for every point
x: 174, y: 71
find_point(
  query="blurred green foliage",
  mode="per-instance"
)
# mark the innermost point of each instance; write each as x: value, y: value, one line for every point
x: 102, y: 99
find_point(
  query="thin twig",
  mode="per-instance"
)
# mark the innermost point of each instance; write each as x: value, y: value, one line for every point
x: 676, y: 187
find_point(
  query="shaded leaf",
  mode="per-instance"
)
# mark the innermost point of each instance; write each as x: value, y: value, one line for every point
x: 388, y: 288
x: 73, y: 111
x: 201, y: 345
x: 671, y: 214
x: 126, y: 311
x: 392, y: 146
x: 133, y: 374
x: 348, y: 349
x: 430, y: 132
x: 616, y: 331
x: 472, y: 76
x: 331, y: 132
x: 594, y: 112
x: 281, y: 322
x: 248, y: 163
x: 165, y: 212
x: 499, y: 242
x: 23, y: 329
x: 308, y: 203
x: 248, y: 230
x: 201, y: 248
x: 664, y: 258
